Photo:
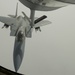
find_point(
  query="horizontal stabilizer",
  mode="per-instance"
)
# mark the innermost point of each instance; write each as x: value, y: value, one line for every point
x: 12, y: 16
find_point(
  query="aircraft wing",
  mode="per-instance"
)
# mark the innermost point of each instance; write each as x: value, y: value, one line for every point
x: 7, y: 20
x: 44, y: 5
x: 42, y: 23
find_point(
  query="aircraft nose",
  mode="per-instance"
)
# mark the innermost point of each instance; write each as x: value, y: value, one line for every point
x: 18, y: 53
x: 17, y: 63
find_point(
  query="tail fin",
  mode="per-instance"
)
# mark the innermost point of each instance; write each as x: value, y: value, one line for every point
x: 26, y: 16
x: 14, y: 16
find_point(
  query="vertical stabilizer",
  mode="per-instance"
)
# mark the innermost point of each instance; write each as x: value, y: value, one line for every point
x: 16, y: 13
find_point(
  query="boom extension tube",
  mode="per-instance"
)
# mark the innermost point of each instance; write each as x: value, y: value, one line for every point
x: 40, y: 19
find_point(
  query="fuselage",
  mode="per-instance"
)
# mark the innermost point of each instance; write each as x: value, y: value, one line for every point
x: 21, y: 24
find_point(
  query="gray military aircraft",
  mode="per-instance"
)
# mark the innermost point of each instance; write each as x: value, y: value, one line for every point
x: 22, y: 27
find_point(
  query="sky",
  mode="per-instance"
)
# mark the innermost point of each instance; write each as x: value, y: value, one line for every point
x: 50, y: 52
